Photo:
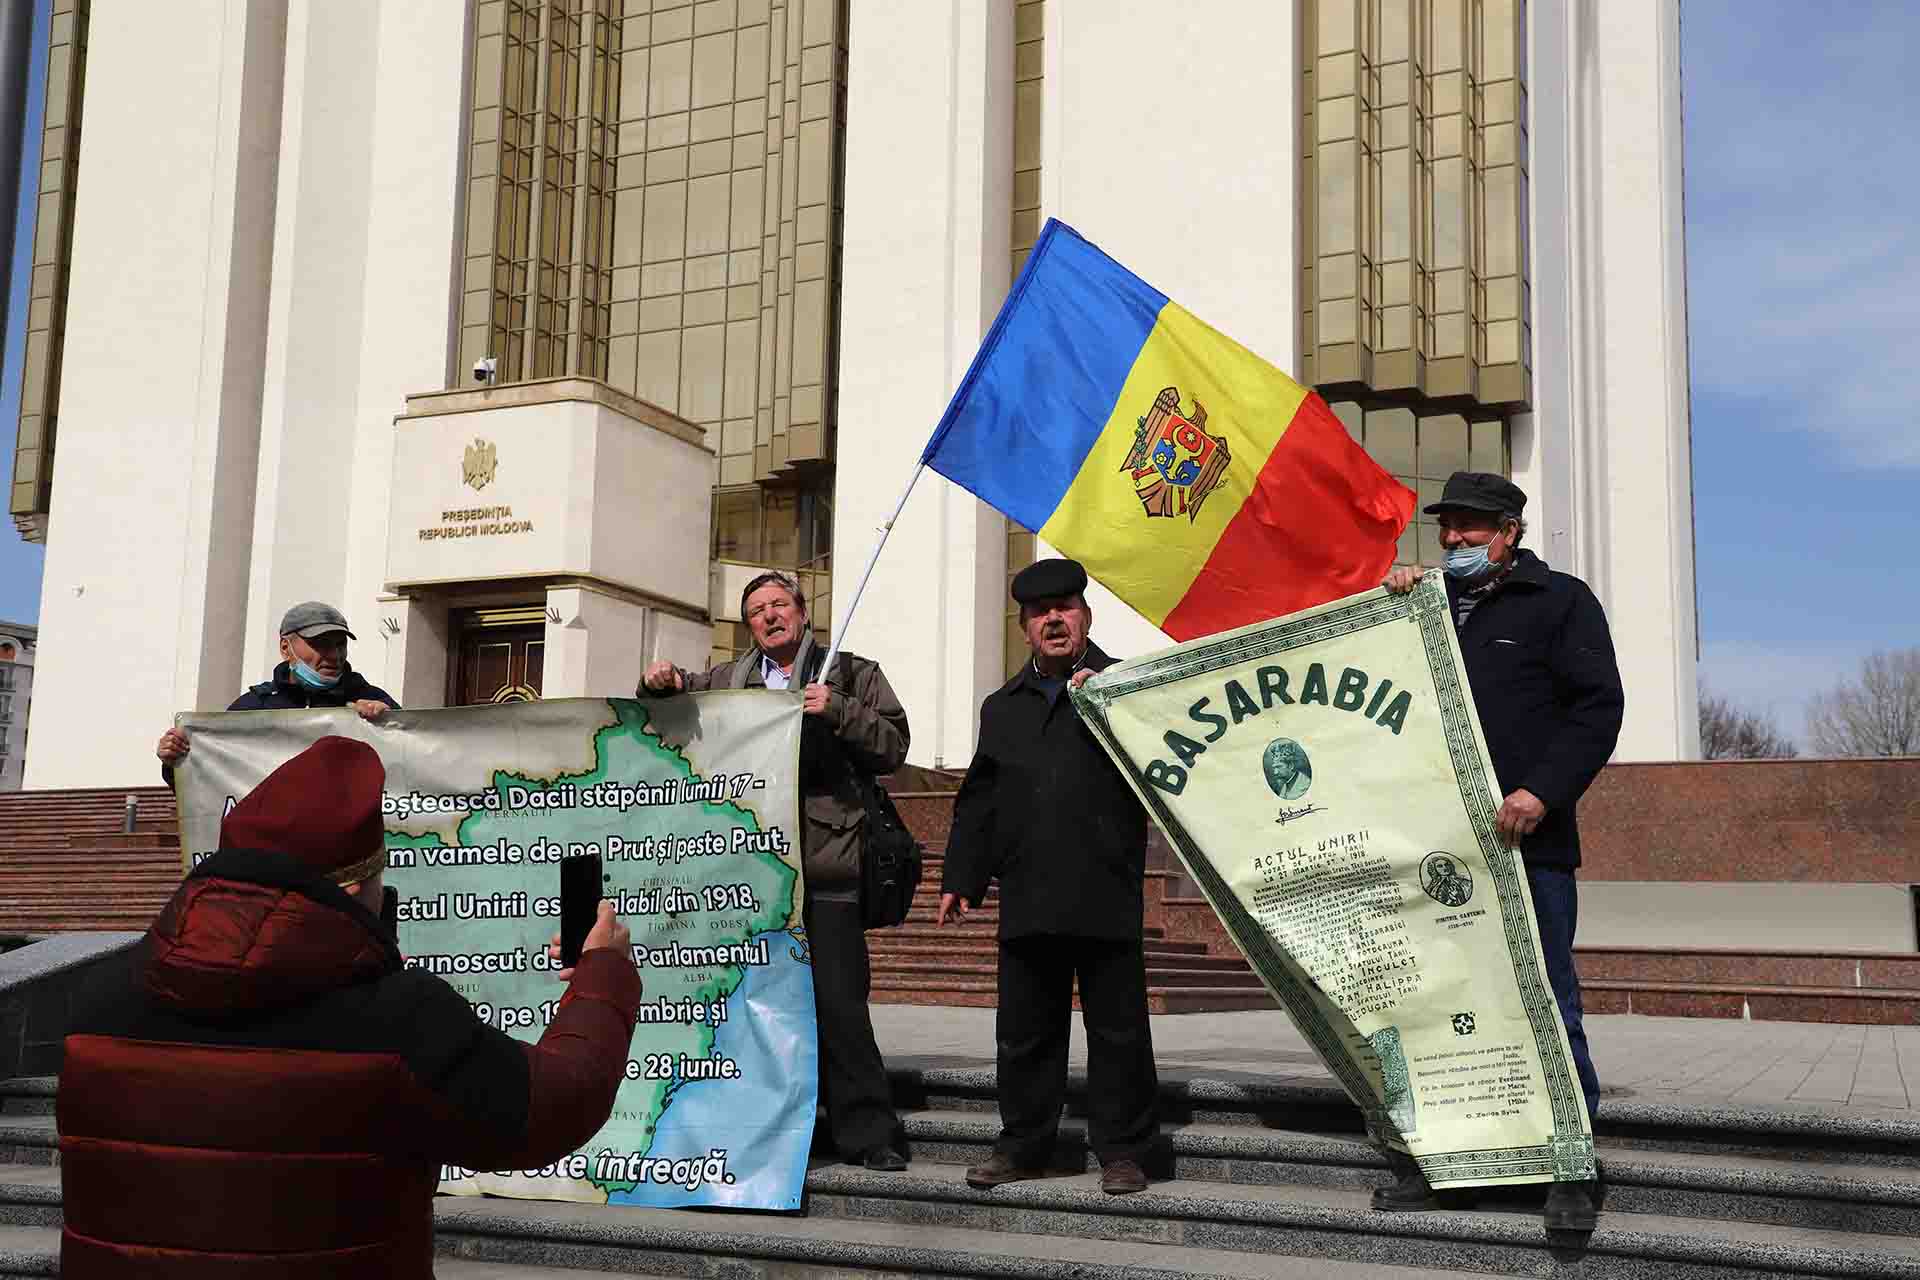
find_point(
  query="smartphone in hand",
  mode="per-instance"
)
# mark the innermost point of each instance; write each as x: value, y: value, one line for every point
x: 390, y: 909
x: 579, y: 903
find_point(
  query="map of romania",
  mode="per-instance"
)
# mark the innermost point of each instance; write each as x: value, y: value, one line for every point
x: 701, y: 868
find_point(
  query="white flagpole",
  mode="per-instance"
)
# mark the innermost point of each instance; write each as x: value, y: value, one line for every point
x: 885, y: 529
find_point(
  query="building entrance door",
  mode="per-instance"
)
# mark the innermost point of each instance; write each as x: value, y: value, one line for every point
x: 500, y: 655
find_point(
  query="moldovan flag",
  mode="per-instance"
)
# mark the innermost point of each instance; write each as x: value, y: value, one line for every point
x: 1196, y: 481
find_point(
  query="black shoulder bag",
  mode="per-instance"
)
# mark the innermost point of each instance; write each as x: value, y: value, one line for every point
x: 890, y: 861
x: 890, y: 858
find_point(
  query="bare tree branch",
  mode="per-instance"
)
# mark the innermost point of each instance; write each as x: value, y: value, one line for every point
x: 1876, y: 715
x: 1728, y: 733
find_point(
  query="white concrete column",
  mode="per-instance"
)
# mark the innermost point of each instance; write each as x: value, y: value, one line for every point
x: 1167, y: 138
x: 597, y: 644
x: 405, y: 324
x: 1649, y: 460
x: 1547, y: 443
x: 409, y: 640
x: 149, y: 538
x: 925, y: 266
x: 1608, y: 450
x: 312, y: 380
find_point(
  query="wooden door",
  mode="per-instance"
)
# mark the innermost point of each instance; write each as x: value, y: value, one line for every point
x: 501, y: 655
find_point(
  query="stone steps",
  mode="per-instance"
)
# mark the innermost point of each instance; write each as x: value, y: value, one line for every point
x: 1258, y: 1178
x: 928, y: 1221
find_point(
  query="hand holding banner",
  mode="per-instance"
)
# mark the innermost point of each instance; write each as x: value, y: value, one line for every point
x: 692, y: 805
x: 1324, y: 778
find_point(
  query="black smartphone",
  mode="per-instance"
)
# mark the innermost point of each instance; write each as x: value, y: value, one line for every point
x: 579, y: 904
x: 390, y: 909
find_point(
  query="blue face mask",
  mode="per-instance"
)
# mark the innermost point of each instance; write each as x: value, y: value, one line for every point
x: 307, y: 676
x: 1468, y: 563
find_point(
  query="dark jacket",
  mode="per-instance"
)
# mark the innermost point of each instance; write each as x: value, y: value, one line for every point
x: 284, y: 693
x: 1539, y: 659
x: 265, y: 1091
x: 862, y: 734
x: 1044, y: 809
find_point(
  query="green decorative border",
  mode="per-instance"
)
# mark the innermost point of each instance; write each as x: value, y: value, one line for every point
x: 1569, y: 1154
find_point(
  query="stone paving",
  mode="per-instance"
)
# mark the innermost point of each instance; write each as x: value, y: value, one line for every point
x: 1811, y: 1066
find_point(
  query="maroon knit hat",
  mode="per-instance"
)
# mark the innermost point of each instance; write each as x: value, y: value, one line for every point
x: 322, y: 807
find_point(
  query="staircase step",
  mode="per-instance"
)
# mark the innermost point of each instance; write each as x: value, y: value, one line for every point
x: 1757, y: 1001
x: 1168, y: 974
x: 882, y: 942
x: 1786, y: 1191
x: 35, y: 1251
x: 1336, y: 1222
x: 984, y: 994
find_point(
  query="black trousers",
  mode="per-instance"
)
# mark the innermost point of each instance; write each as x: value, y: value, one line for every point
x: 1036, y: 1011
x: 853, y: 1079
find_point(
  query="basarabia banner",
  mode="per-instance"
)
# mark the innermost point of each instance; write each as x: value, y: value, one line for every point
x: 691, y: 802
x: 1324, y: 778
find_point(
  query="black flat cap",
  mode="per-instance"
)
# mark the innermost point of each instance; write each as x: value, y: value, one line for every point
x: 1479, y: 491
x: 1046, y: 579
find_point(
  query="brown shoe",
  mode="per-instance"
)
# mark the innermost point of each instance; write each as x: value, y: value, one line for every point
x: 1122, y: 1177
x: 999, y: 1168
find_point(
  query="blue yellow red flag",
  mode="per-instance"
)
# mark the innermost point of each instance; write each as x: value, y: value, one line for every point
x: 1195, y: 480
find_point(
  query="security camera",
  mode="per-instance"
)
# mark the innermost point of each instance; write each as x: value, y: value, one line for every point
x: 486, y: 369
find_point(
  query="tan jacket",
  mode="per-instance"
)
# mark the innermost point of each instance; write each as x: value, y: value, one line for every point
x: 862, y: 734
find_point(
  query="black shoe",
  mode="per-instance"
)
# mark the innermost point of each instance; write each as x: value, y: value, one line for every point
x: 1572, y: 1206
x: 1122, y: 1177
x: 883, y: 1159
x: 1410, y: 1192
x: 999, y: 1168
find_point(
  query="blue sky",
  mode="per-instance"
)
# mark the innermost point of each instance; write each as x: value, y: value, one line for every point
x: 1803, y: 266
x: 1803, y: 255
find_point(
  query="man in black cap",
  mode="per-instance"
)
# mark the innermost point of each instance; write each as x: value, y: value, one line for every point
x: 1539, y: 658
x: 1044, y: 809
x: 313, y: 673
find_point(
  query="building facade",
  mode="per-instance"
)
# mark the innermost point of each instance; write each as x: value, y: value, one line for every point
x: 17, y: 649
x: 528, y: 330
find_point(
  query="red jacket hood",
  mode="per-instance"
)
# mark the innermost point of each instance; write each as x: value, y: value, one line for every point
x: 251, y: 932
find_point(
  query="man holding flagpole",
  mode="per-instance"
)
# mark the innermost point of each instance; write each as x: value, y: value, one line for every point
x: 1044, y: 810
x: 855, y: 730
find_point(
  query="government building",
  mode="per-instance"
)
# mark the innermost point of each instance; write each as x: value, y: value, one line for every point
x: 527, y: 330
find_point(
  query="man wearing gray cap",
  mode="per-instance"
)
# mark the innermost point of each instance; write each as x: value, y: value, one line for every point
x: 1539, y: 659
x: 314, y: 673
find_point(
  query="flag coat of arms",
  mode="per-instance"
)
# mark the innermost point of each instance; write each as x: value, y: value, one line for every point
x: 1196, y: 481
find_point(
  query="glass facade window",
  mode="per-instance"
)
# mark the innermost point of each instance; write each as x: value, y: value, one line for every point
x: 1422, y: 448
x: 1414, y: 145
x: 31, y: 488
x: 654, y: 200
x: 1029, y: 27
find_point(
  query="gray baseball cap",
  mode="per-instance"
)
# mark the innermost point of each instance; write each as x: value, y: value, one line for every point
x: 314, y: 619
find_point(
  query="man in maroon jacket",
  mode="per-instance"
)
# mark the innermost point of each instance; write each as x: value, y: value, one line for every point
x: 273, y: 1094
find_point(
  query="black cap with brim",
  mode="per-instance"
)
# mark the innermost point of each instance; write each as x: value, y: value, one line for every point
x: 1049, y: 580
x: 1479, y: 491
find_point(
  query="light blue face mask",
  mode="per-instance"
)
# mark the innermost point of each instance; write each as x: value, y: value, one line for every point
x: 1468, y: 563
x: 307, y: 676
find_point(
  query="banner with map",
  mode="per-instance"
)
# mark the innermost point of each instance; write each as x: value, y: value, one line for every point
x: 1324, y: 778
x: 692, y: 804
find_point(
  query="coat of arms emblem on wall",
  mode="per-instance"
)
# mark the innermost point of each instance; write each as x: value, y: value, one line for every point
x: 481, y: 461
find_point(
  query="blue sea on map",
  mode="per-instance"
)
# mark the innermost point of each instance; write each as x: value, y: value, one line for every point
x: 701, y: 1116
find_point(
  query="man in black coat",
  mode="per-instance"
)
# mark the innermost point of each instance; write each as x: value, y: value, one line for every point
x: 314, y: 672
x: 1539, y: 659
x: 1044, y: 809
